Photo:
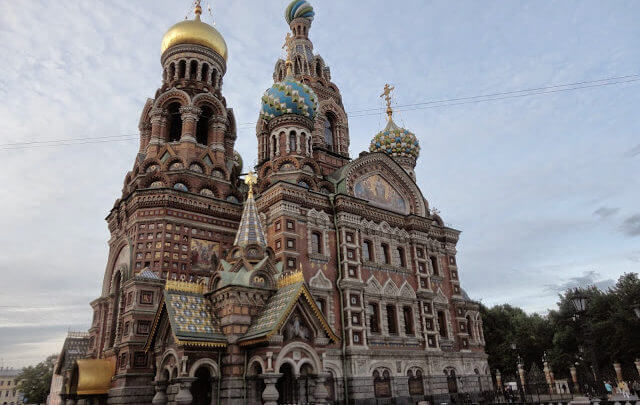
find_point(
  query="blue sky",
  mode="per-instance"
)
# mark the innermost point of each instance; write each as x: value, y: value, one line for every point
x: 544, y: 188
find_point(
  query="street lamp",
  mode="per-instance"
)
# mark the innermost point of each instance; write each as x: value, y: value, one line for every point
x: 579, y: 301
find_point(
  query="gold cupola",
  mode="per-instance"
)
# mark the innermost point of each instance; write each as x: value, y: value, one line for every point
x: 195, y: 32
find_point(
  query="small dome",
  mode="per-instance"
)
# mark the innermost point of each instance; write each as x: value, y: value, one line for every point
x: 195, y: 32
x: 289, y: 97
x: 299, y: 9
x: 396, y: 141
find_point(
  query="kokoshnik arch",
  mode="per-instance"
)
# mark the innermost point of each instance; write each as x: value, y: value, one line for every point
x: 321, y: 279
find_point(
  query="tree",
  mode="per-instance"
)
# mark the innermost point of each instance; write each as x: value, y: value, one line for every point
x: 34, y: 381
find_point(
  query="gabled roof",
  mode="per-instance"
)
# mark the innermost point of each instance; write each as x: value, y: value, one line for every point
x: 190, y: 316
x: 250, y: 229
x: 277, y: 310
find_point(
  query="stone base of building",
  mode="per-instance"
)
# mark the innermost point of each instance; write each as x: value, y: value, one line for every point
x: 131, y: 395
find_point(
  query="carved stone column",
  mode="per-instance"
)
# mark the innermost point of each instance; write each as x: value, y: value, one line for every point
x: 161, y: 393
x: 158, y: 121
x: 321, y: 394
x: 189, y: 120
x: 216, y: 135
x: 270, y: 394
x: 184, y: 397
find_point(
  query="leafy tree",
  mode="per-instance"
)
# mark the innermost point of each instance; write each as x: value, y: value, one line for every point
x: 34, y: 381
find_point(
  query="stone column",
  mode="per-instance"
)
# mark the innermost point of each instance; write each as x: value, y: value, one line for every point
x: 321, y: 394
x: 158, y: 121
x: 189, y: 121
x: 145, y: 135
x: 574, y: 378
x: 618, y: 368
x: 184, y: 397
x: 270, y: 394
x: 161, y: 393
x: 216, y: 135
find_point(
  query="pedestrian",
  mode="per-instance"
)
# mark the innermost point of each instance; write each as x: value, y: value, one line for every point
x: 608, y: 387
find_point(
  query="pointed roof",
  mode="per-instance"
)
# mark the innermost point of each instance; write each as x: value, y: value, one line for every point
x: 250, y: 231
x: 279, y: 307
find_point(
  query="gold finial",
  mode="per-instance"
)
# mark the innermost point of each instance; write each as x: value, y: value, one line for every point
x: 288, y: 47
x: 250, y: 180
x: 387, y: 96
x: 198, y: 10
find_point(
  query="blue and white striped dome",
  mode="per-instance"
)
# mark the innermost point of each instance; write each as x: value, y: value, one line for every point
x: 298, y: 9
x: 289, y: 97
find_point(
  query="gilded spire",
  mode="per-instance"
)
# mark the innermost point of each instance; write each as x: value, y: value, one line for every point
x: 250, y: 230
x: 387, y: 96
x: 288, y: 47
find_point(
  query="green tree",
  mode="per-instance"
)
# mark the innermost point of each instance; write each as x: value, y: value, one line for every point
x: 34, y: 381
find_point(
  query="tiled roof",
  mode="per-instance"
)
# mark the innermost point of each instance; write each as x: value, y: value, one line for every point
x: 250, y: 230
x: 148, y: 274
x: 191, y: 317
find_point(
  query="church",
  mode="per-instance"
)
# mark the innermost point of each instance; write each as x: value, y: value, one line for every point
x: 315, y: 277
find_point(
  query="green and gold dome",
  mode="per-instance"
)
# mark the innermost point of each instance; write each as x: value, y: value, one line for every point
x: 396, y: 141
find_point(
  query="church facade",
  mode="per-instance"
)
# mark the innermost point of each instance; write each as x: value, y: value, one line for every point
x: 321, y: 278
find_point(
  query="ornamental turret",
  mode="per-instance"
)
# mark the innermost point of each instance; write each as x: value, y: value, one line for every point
x: 399, y: 143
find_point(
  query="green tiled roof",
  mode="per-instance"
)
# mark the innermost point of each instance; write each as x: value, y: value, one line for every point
x: 191, y: 317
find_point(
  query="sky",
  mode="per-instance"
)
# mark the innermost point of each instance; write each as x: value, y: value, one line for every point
x: 544, y: 188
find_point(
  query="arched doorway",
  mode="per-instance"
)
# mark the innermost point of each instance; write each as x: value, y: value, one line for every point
x: 287, y: 386
x: 202, y: 388
x: 452, y: 381
x: 255, y: 384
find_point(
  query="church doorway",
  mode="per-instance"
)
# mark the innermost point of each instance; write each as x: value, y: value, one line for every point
x: 292, y: 390
x: 202, y: 388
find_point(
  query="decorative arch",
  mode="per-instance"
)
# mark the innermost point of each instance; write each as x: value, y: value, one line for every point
x: 121, y: 256
x: 390, y: 289
x: 171, y: 96
x: 385, y: 167
x: 406, y: 291
x: 144, y: 116
x: 282, y: 161
x: 373, y: 286
x: 208, y: 363
x: 173, y: 159
x: 256, y: 360
x: 312, y: 356
x: 312, y: 163
x: 206, y: 99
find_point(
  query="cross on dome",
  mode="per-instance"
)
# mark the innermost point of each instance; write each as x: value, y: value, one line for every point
x: 251, y: 180
x: 387, y: 96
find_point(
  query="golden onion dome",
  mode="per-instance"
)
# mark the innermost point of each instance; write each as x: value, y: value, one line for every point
x: 195, y: 32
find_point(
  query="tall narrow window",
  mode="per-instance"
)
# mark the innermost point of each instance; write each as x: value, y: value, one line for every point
x: 292, y: 142
x: 408, y: 320
x: 442, y: 324
x: 469, y: 325
x: 193, y: 71
x: 366, y: 251
x: 402, y: 259
x: 434, y: 264
x: 202, y: 128
x: 316, y: 242
x: 385, y: 253
x: 175, y: 122
x: 374, y: 318
x: 329, y: 131
x: 116, y: 308
x: 391, y: 320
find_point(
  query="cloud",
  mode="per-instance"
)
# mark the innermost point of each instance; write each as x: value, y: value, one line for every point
x: 587, y: 279
x: 631, y: 226
x: 605, y: 212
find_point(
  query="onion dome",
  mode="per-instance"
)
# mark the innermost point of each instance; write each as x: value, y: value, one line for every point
x: 195, y: 32
x: 396, y: 141
x: 299, y: 9
x: 289, y: 97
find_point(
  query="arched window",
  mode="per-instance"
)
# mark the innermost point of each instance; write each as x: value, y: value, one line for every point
x: 316, y: 242
x: 452, y: 381
x: 469, y: 327
x: 408, y: 320
x: 202, y: 128
x: 193, y: 71
x: 205, y: 72
x: 202, y: 388
x: 214, y: 77
x: 416, y: 386
x: 367, y: 251
x: 402, y: 259
x: 385, y: 253
x: 292, y: 141
x: 182, y: 69
x: 392, y: 320
x: 434, y: 265
x: 374, y: 317
x: 329, y: 130
x: 382, y: 384
x: 175, y: 122
x: 172, y: 72
x: 442, y: 325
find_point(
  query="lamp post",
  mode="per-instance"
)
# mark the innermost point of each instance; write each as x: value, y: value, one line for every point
x: 580, y: 301
x: 520, y: 370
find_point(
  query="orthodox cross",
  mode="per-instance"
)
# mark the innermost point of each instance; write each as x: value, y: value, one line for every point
x: 250, y: 180
x: 288, y: 47
x: 387, y: 96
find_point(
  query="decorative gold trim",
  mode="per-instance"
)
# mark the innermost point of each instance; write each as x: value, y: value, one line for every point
x: 154, y: 326
x: 290, y: 279
x: 198, y: 343
x: 184, y: 286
